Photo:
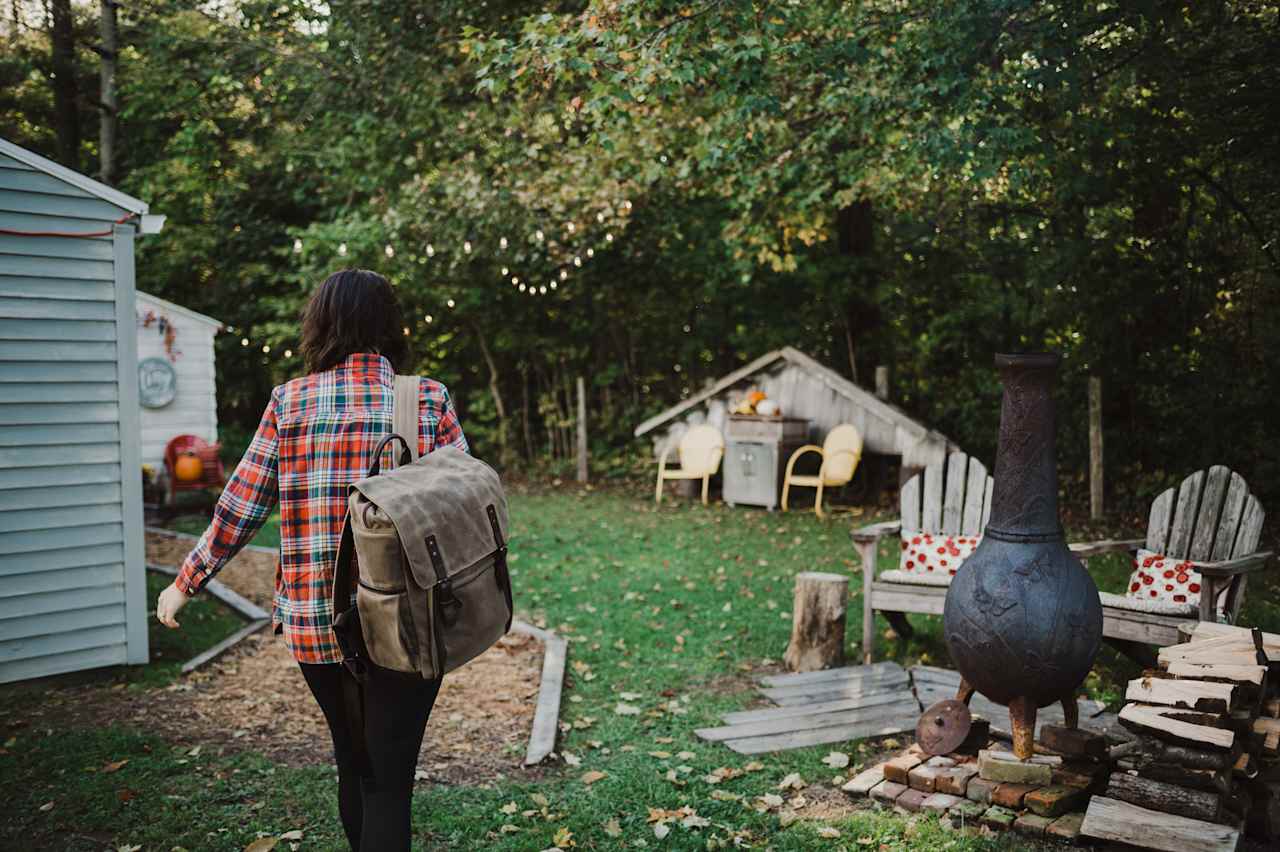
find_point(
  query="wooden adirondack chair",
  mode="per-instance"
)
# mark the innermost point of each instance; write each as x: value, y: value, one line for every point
x: 951, y: 499
x: 700, y: 451
x: 1210, y: 518
x: 840, y: 455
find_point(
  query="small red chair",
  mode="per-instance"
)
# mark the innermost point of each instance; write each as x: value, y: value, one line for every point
x: 212, y: 474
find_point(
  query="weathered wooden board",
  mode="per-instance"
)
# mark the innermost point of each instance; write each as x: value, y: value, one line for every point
x: 889, y: 696
x: 815, y: 693
x: 1183, y: 726
x: 837, y: 674
x: 1206, y: 696
x: 1111, y: 819
x: 905, y: 709
x: 893, y: 720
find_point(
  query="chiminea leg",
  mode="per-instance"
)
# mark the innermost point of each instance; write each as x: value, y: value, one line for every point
x: 1071, y: 712
x: 965, y: 692
x: 1022, y: 716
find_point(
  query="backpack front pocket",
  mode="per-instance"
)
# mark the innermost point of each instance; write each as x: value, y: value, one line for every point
x: 387, y: 624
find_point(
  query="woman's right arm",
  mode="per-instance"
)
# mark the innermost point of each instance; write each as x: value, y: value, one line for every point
x: 245, y: 504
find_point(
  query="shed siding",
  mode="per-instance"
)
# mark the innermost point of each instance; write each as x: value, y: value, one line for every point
x: 194, y: 410
x: 69, y: 531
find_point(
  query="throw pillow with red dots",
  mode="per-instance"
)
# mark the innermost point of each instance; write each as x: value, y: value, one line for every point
x: 940, y: 555
x: 1157, y: 577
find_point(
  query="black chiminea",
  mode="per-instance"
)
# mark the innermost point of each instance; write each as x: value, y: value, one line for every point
x: 1022, y: 618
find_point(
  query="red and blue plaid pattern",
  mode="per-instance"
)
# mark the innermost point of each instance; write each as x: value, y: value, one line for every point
x: 316, y: 437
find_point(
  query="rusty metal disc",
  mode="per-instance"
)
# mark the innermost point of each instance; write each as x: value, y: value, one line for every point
x: 943, y: 726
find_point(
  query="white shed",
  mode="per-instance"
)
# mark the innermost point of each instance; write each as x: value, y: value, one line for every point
x: 72, y: 578
x: 176, y: 380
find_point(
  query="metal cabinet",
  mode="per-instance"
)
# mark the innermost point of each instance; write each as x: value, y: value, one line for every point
x: 753, y: 471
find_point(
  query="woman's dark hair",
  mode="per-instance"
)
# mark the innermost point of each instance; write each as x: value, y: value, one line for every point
x: 354, y: 310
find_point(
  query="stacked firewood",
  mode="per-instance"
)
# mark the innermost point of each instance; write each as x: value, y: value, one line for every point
x: 1196, y: 773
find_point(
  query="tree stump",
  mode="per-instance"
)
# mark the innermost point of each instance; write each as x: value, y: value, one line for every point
x: 817, y: 622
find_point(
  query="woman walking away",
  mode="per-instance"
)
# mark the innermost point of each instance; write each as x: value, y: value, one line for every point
x: 315, y: 439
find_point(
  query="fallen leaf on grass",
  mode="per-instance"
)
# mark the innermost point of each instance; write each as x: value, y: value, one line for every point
x: 787, y: 818
x: 836, y: 760
x: 661, y: 755
x: 564, y: 838
x: 508, y: 828
x: 296, y: 834
x: 722, y: 773
x: 624, y: 709
x: 46, y: 807
x: 686, y: 755
x: 262, y: 844
x: 695, y: 821
x: 540, y: 800
x: 828, y: 833
x: 571, y: 759
x: 792, y: 782
x: 509, y: 808
x: 593, y: 776
x: 612, y: 828
x: 753, y: 766
x: 113, y: 766
x: 725, y: 796
x: 630, y: 696
x: 768, y: 801
x: 661, y: 830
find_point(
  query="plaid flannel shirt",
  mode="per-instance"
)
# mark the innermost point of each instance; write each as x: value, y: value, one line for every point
x: 316, y: 438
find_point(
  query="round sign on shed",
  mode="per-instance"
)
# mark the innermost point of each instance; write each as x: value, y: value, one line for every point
x: 157, y: 382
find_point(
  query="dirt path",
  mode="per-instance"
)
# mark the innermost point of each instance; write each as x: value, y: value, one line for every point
x: 254, y: 698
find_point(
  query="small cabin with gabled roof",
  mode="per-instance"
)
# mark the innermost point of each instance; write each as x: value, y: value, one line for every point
x: 802, y: 387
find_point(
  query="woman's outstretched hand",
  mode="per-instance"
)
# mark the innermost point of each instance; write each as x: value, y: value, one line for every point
x: 170, y: 602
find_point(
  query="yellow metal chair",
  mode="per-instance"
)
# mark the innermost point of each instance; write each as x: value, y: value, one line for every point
x: 700, y: 452
x: 840, y: 453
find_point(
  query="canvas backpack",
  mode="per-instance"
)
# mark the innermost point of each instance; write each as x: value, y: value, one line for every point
x: 428, y: 539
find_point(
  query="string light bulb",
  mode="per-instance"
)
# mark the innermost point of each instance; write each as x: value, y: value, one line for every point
x: 430, y: 319
x: 608, y: 238
x: 570, y: 226
x: 449, y: 303
x: 553, y: 285
x: 591, y: 252
x: 502, y: 243
x: 538, y: 235
x: 600, y: 218
x: 577, y: 261
x: 626, y: 205
x: 431, y: 250
x: 505, y: 272
x: 342, y: 249
x: 288, y: 353
x: 564, y: 273
x: 265, y: 349
x: 466, y: 246
x: 522, y: 288
x: 543, y: 289
x: 406, y: 331
x: 297, y: 246
x: 515, y: 279
x: 389, y: 251
x: 244, y: 341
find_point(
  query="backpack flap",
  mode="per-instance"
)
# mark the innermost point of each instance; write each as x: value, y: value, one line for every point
x: 443, y: 497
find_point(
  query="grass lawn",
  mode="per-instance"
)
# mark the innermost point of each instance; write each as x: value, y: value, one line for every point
x: 669, y: 611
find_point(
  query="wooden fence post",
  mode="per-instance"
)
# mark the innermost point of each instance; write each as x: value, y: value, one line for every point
x: 582, y: 430
x: 882, y: 382
x: 1095, y: 448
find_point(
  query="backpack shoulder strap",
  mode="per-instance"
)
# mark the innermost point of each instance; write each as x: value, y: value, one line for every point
x: 405, y: 415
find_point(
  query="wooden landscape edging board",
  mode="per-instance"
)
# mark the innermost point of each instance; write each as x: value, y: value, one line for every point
x: 257, y: 617
x: 546, y: 716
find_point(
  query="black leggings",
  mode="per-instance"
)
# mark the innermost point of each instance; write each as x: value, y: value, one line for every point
x: 375, y: 809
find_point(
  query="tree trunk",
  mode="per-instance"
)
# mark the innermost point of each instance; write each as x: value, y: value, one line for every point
x: 495, y: 391
x: 524, y: 411
x: 582, y: 430
x: 108, y: 107
x: 66, y: 112
x: 817, y: 622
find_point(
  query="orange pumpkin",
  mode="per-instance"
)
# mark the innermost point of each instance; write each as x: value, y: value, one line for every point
x: 188, y: 468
